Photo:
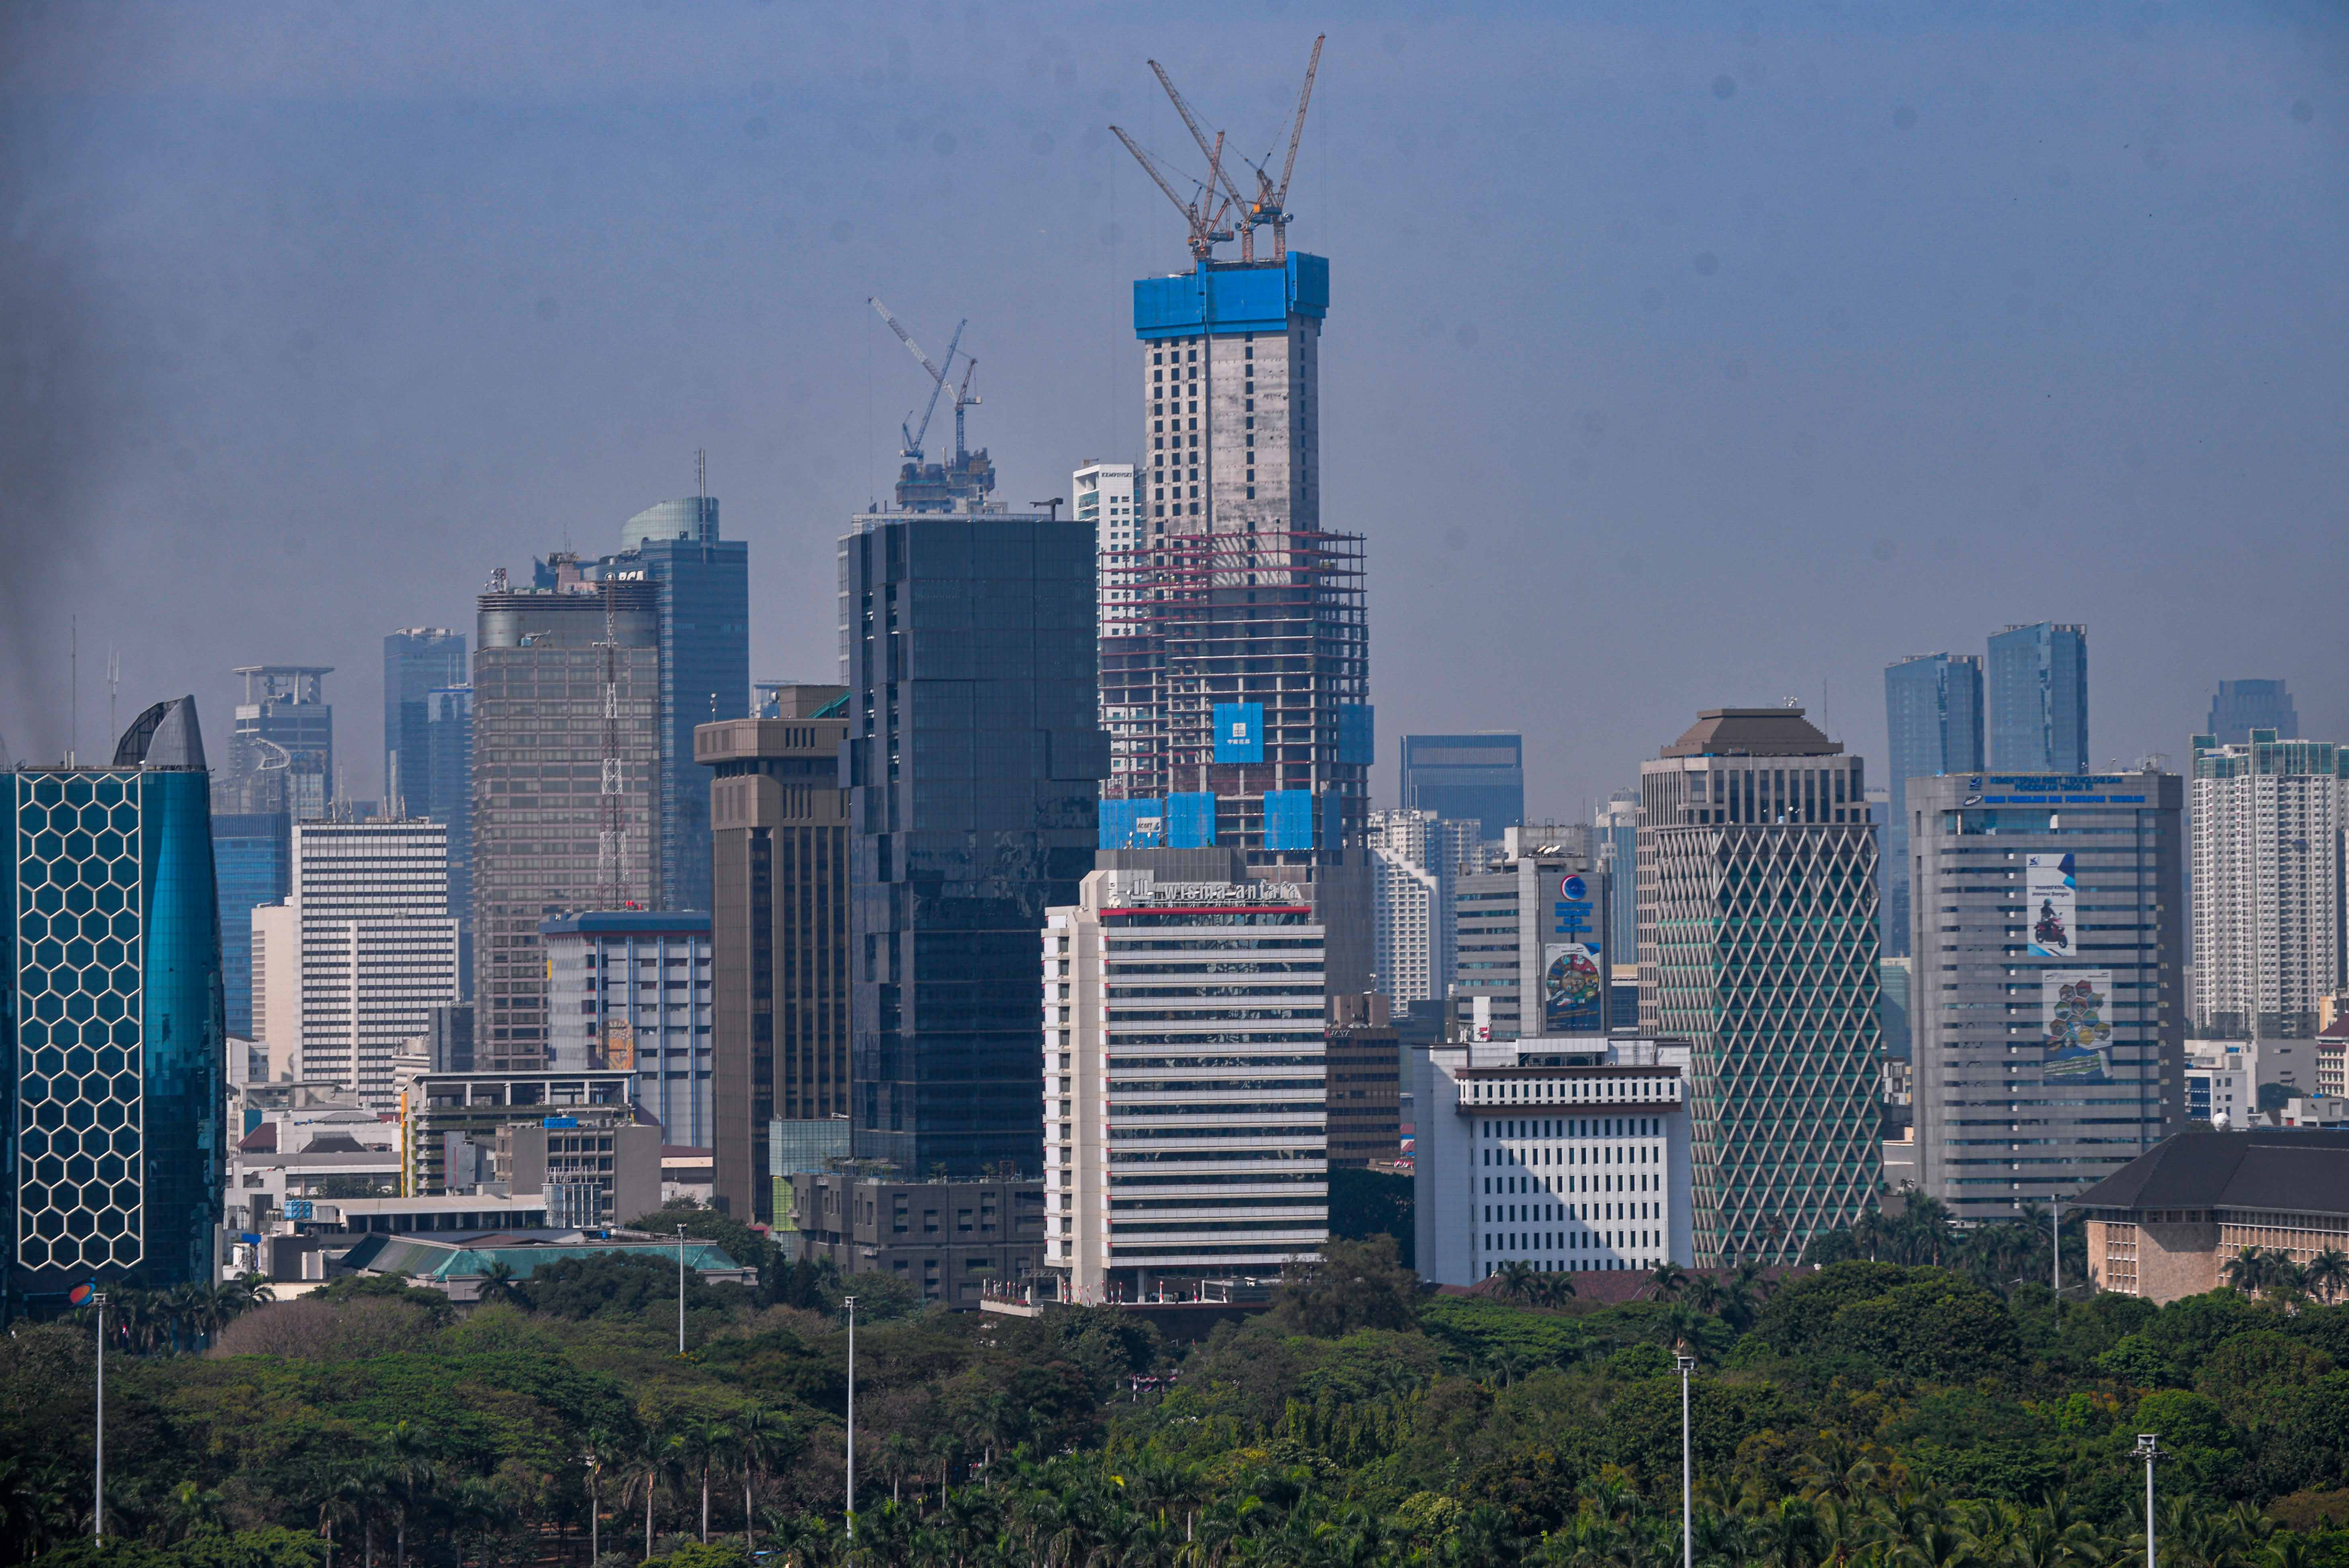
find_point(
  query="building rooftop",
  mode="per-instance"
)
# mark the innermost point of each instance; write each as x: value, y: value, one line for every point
x: 524, y: 1252
x: 2297, y: 1171
x: 621, y: 922
x: 1753, y: 732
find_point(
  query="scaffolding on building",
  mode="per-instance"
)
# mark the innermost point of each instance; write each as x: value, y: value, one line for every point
x: 1275, y: 616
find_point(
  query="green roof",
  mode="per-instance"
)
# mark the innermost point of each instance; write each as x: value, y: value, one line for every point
x: 421, y: 1258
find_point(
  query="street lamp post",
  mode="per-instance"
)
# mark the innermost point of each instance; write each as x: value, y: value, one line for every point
x: 850, y: 1302
x: 97, y: 1511
x: 1687, y: 1364
x: 680, y: 1290
x: 2056, y: 1223
x: 2148, y: 1449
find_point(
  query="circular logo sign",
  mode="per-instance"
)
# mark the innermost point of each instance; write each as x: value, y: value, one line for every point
x: 1571, y: 888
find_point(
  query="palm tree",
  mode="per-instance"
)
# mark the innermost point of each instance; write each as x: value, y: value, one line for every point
x: 1667, y: 1282
x: 2247, y: 1271
x: 500, y: 1283
x: 657, y: 1450
x: 1515, y: 1281
x: 763, y: 1439
x: 708, y: 1442
x: 2328, y: 1273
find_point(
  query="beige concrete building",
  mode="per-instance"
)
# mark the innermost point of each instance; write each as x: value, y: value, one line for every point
x: 2165, y: 1225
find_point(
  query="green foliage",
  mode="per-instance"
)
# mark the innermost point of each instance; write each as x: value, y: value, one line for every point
x: 615, y: 1285
x: 270, y: 1548
x: 1366, y: 1203
x: 710, y: 1554
x: 1352, y: 1284
x: 2132, y: 1361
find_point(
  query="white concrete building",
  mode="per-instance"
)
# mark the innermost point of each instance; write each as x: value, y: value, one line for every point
x: 1411, y: 907
x: 2222, y: 1086
x: 2267, y: 819
x: 350, y: 963
x: 1569, y: 1153
x: 1529, y: 936
x: 1104, y: 498
x: 1184, y: 1097
x: 630, y: 990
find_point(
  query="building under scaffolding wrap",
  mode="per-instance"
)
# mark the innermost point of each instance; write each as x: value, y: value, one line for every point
x: 1234, y: 648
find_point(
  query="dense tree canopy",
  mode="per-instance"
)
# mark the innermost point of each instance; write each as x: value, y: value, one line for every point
x: 1864, y: 1414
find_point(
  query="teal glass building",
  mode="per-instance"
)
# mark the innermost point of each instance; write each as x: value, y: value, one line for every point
x: 1933, y: 725
x: 2038, y: 679
x: 112, y: 1028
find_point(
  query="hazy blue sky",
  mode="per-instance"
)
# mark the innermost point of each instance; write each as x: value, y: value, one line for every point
x: 1718, y: 358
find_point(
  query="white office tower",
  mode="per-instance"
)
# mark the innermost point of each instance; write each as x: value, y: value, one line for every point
x: 1411, y: 906
x: 1568, y: 1154
x: 2267, y: 820
x: 361, y: 950
x: 1104, y: 498
x: 1184, y: 1124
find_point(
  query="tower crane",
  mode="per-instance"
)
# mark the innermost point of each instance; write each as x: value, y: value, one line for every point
x: 1206, y: 212
x: 963, y: 398
x: 1269, y: 206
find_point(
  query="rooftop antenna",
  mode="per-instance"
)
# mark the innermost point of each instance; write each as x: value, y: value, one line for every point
x: 702, y: 472
x: 113, y: 684
x: 73, y: 689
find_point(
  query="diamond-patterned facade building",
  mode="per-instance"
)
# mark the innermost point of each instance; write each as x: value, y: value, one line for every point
x: 112, y: 1025
x: 1758, y: 943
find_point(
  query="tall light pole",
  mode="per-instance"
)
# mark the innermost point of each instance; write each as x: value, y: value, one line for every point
x: 680, y: 1290
x: 97, y: 1512
x: 850, y: 1302
x: 2148, y: 1449
x: 1687, y: 1364
x: 2056, y: 1223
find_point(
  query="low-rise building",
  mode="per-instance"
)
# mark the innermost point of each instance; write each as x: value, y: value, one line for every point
x: 951, y: 1239
x: 2165, y: 1225
x: 630, y: 991
x: 2220, y: 1083
x: 450, y: 1122
x: 459, y: 1265
x: 1568, y: 1154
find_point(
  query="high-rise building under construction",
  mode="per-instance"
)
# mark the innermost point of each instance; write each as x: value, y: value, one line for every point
x: 1234, y: 649
x: 1236, y: 674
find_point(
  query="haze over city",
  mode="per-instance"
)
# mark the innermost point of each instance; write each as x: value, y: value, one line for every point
x: 1719, y: 359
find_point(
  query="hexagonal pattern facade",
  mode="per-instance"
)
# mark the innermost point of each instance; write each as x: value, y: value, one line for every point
x: 79, y: 1101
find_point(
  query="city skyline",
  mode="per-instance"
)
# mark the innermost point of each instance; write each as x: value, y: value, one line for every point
x: 1731, y: 335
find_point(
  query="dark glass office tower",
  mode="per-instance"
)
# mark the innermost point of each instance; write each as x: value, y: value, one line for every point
x: 253, y: 863
x: 281, y: 751
x: 110, y: 1027
x: 2039, y: 699
x: 1934, y: 716
x: 1479, y: 777
x: 418, y: 662
x: 2242, y: 706
x: 973, y: 763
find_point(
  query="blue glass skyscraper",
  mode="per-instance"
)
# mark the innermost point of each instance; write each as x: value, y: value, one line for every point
x: 112, y: 1030
x: 418, y: 662
x: 1933, y: 719
x: 2039, y: 699
x: 1480, y: 776
x: 253, y: 862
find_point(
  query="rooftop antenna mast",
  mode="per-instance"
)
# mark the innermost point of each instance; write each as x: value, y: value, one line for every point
x: 613, y: 828
x: 113, y: 685
x: 702, y: 472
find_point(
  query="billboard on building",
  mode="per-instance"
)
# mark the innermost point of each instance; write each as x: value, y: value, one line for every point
x: 1239, y: 732
x: 619, y: 1045
x: 2051, y: 903
x: 2077, y: 1008
x: 1574, y: 989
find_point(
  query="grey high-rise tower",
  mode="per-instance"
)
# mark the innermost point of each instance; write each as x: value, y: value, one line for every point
x: 1933, y: 720
x: 2039, y: 699
x: 1758, y: 944
x: 2048, y: 1017
x: 2242, y: 706
x: 702, y: 587
x: 973, y: 766
x: 566, y: 701
x: 1479, y: 777
x: 280, y: 753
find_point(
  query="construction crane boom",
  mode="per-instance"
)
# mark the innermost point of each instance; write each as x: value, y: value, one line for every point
x: 1191, y: 122
x: 1297, y: 132
x: 914, y: 439
x: 1206, y: 228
